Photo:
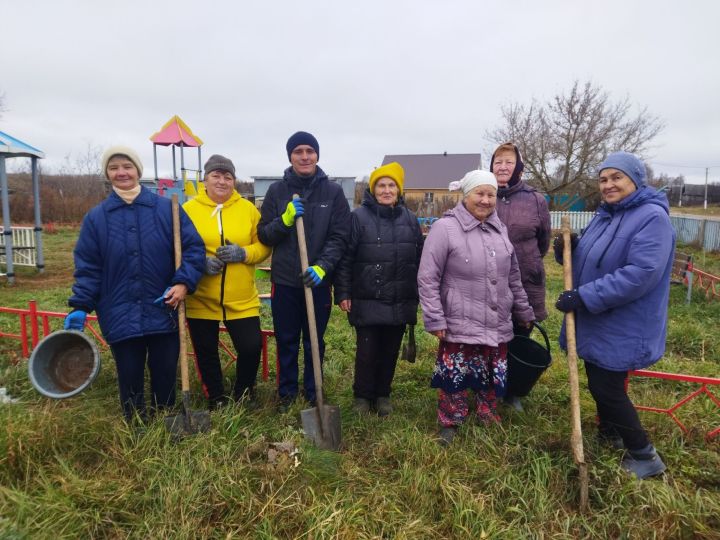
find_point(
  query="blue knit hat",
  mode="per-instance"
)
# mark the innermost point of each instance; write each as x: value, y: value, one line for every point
x: 302, y: 137
x: 628, y: 163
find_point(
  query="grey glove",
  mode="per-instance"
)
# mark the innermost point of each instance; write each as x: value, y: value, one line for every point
x: 213, y: 266
x: 231, y: 253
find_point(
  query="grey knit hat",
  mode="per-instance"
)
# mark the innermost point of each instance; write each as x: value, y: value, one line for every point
x: 216, y: 162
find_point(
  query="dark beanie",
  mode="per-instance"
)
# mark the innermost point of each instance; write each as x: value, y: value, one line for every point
x: 216, y: 162
x: 302, y: 137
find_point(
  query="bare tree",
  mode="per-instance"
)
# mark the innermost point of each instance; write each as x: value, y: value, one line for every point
x: 564, y: 138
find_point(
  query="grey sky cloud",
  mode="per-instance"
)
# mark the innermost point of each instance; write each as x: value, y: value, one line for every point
x: 367, y: 78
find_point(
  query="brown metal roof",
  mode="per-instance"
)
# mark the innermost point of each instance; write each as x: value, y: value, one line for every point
x: 434, y: 171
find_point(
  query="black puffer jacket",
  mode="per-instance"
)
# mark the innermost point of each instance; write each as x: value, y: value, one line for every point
x: 379, y: 269
x: 326, y: 220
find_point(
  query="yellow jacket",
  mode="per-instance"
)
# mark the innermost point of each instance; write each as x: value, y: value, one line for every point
x: 231, y: 294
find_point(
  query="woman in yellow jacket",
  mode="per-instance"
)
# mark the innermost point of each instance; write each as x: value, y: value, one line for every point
x: 227, y: 224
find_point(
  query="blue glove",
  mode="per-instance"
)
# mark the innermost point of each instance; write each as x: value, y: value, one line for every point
x: 293, y: 210
x: 75, y: 320
x: 160, y: 300
x: 231, y: 253
x: 569, y: 301
x: 313, y: 276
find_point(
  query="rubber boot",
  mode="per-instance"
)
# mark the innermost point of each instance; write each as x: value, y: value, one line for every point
x: 383, y: 406
x: 361, y: 405
x: 447, y: 434
x: 643, y: 463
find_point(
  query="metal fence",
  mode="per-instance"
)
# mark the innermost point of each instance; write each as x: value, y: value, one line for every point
x: 698, y: 231
x: 23, y: 246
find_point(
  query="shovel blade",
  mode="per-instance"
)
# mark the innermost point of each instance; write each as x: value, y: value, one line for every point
x: 188, y: 423
x: 328, y: 438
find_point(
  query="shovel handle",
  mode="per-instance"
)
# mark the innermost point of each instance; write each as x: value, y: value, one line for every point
x: 184, y: 375
x: 576, y: 440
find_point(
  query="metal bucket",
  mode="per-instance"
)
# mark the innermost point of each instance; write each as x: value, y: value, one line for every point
x: 63, y: 364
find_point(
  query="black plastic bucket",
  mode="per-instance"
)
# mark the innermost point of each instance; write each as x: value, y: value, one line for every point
x: 527, y: 360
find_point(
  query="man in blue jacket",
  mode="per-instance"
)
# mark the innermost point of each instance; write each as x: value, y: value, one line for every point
x: 326, y: 215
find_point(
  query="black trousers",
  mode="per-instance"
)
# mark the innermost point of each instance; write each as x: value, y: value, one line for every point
x: 161, y: 353
x: 375, y: 359
x: 616, y: 413
x: 247, y: 340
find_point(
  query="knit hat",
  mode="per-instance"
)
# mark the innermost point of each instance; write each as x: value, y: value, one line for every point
x: 628, y: 163
x: 392, y: 170
x: 302, y: 137
x: 474, y: 179
x: 216, y: 162
x: 124, y: 151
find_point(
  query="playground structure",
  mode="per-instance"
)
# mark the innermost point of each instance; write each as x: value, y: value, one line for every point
x: 13, y: 254
x: 177, y: 134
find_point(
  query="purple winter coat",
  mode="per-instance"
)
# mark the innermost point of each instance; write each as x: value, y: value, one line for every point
x: 525, y: 214
x: 469, y: 280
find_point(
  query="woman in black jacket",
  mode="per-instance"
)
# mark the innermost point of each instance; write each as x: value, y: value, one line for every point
x: 376, y: 284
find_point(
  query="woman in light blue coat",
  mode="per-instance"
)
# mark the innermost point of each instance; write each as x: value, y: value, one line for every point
x: 621, y: 271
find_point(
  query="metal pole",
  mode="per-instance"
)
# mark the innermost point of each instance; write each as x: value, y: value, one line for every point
x: 682, y: 186
x: 706, y: 182
x: 7, y: 226
x: 174, y: 168
x: 39, y: 260
x: 155, y: 162
x: 183, y: 173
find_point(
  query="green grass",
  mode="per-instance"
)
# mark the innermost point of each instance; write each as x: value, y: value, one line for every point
x: 73, y: 469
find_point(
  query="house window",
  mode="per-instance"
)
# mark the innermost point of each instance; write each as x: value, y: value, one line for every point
x: 429, y: 196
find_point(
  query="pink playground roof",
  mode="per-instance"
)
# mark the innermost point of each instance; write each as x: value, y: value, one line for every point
x: 177, y: 132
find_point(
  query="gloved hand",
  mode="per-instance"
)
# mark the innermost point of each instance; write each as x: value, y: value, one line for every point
x: 294, y: 210
x: 559, y: 246
x: 213, y: 266
x: 160, y: 300
x: 75, y: 320
x: 569, y: 301
x: 313, y: 276
x: 231, y: 253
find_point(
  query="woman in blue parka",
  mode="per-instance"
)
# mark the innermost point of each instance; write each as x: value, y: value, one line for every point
x: 125, y: 272
x: 621, y: 271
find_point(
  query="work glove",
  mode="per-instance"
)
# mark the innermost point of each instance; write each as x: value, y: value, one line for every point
x: 160, y: 300
x: 313, y: 276
x: 293, y: 210
x: 231, y: 253
x: 75, y: 320
x: 559, y: 246
x: 213, y: 266
x: 569, y: 301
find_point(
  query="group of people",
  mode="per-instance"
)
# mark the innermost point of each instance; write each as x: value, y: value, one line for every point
x: 478, y: 276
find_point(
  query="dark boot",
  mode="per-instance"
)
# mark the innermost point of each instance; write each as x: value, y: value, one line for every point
x: 361, y: 405
x: 447, y: 434
x: 383, y: 406
x: 643, y: 463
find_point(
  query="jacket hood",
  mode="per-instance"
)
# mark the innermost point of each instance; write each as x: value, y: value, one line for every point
x: 302, y: 183
x: 205, y: 200
x: 468, y: 221
x: 644, y: 195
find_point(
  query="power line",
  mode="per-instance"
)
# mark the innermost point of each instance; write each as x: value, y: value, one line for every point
x: 684, y: 166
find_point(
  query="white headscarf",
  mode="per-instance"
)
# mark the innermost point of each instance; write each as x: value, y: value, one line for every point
x: 474, y: 179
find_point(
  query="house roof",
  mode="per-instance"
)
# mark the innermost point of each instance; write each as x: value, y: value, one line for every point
x: 434, y: 171
x: 12, y: 147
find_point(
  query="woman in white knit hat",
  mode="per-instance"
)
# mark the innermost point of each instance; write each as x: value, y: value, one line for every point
x: 470, y: 288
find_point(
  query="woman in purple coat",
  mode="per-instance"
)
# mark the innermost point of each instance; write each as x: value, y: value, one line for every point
x: 470, y: 291
x: 525, y: 213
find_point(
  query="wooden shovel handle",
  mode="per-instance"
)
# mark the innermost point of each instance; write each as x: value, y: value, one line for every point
x: 184, y: 375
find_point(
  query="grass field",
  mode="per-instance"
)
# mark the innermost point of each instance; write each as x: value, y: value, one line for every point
x: 73, y: 469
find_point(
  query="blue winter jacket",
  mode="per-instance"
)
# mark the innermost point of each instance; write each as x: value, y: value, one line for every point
x: 124, y: 260
x: 621, y: 267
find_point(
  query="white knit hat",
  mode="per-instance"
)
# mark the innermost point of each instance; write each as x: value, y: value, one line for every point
x: 474, y: 179
x: 121, y: 151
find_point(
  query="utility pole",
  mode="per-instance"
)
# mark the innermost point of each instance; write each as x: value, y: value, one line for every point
x: 682, y: 188
x: 706, y: 182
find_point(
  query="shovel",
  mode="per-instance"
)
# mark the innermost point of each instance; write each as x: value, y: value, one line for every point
x: 322, y: 422
x: 189, y: 421
x: 576, y: 440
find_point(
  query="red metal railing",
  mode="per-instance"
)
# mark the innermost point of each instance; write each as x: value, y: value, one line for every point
x: 39, y: 327
x: 704, y: 382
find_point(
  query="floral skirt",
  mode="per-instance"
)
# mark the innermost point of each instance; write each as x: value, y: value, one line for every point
x: 460, y: 366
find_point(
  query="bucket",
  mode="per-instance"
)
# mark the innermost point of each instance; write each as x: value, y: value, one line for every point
x: 527, y: 360
x: 63, y: 364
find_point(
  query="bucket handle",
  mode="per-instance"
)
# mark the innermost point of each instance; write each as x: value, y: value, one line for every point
x: 544, y: 335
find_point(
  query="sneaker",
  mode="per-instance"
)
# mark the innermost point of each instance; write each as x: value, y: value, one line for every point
x: 361, y: 405
x: 447, y: 434
x: 514, y: 402
x: 383, y: 406
x: 643, y: 463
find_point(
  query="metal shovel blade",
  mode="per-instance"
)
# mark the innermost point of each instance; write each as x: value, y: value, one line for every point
x: 189, y: 422
x: 328, y: 438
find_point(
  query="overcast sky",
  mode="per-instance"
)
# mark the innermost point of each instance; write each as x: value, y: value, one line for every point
x: 367, y: 78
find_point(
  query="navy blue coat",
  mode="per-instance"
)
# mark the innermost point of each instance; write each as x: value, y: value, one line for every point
x: 124, y: 260
x: 621, y: 267
x: 326, y: 220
